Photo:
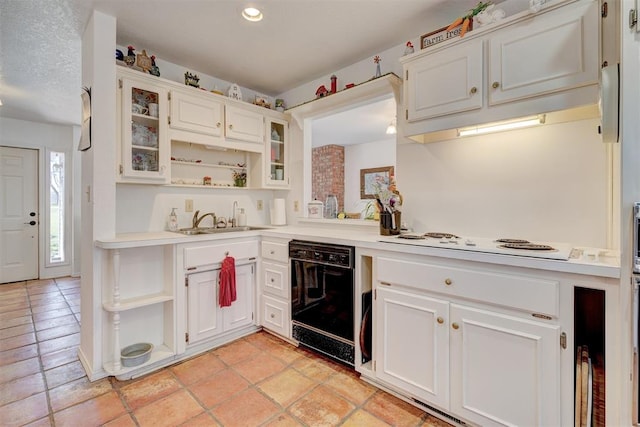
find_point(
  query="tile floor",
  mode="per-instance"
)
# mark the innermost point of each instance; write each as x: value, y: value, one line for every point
x: 259, y: 380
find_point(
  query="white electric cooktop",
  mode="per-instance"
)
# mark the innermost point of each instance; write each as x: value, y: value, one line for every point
x: 504, y: 246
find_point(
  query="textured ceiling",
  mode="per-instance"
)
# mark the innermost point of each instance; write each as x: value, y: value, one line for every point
x: 298, y: 41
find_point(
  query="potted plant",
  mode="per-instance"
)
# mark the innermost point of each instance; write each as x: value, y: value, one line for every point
x: 240, y: 178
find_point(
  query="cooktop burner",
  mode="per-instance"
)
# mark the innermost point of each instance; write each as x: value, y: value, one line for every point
x: 441, y: 235
x: 411, y: 236
x: 528, y: 246
x: 512, y: 241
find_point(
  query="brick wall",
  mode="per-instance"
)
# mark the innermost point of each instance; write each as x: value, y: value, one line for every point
x: 327, y: 173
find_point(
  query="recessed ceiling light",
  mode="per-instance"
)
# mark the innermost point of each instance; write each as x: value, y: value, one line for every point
x: 252, y: 14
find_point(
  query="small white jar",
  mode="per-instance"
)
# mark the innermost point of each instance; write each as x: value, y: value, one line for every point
x: 315, y: 209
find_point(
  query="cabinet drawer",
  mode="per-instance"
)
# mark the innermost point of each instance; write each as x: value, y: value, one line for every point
x: 275, y: 315
x: 523, y: 293
x: 215, y: 253
x: 275, y: 279
x: 275, y: 251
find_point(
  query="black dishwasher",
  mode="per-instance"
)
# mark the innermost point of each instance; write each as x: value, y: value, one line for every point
x: 322, y: 298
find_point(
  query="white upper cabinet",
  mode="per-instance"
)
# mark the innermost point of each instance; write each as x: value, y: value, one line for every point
x: 197, y: 113
x: 144, y: 144
x: 544, y: 54
x: 527, y: 64
x: 446, y: 82
x: 244, y: 125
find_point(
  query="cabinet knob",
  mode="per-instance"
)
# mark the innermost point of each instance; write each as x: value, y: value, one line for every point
x: 272, y: 280
x: 448, y: 281
x: 272, y: 252
x: 218, y: 124
x: 231, y: 127
x: 473, y: 90
x: 440, y: 320
x: 455, y: 326
x: 272, y: 315
x: 495, y: 85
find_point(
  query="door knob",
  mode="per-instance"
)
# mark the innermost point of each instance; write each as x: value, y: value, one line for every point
x: 440, y: 320
x: 32, y: 214
x: 495, y: 85
x: 455, y: 325
x: 30, y: 223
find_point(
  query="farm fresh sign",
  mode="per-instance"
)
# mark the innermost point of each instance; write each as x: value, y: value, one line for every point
x: 441, y: 35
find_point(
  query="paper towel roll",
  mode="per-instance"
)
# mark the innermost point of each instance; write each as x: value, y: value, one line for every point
x: 278, y: 212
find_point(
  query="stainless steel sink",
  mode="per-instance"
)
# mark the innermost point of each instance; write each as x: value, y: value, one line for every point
x: 212, y: 230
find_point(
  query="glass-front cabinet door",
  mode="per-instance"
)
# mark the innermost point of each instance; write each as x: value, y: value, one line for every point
x: 277, y: 154
x: 145, y: 144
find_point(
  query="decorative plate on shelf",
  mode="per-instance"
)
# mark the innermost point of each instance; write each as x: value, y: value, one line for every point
x: 235, y: 93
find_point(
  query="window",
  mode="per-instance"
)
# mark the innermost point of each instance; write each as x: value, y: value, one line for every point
x: 57, y: 230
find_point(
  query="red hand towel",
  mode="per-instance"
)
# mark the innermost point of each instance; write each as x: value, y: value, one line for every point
x: 227, y: 282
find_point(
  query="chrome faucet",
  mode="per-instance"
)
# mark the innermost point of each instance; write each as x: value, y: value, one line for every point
x: 197, y: 220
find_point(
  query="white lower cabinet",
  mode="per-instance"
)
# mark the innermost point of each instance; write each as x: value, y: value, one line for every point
x: 412, y: 351
x: 492, y: 364
x: 503, y: 370
x: 205, y: 318
x: 275, y: 295
x: 276, y: 315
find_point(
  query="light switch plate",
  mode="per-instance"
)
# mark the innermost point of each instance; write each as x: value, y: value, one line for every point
x: 296, y: 206
x: 188, y: 205
x: 259, y: 205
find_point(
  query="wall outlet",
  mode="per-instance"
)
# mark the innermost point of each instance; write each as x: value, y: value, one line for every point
x: 259, y: 205
x: 296, y: 206
x: 188, y: 205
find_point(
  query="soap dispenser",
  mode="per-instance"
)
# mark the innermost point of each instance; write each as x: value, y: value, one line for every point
x: 173, y: 220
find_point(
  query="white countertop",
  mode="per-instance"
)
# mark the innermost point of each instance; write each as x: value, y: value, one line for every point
x: 593, y: 261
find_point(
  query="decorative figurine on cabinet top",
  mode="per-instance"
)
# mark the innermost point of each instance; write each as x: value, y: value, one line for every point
x: 234, y: 92
x: 191, y: 79
x: 409, y: 49
x: 143, y: 61
x: 154, y: 68
x: 321, y: 92
x: 130, y: 59
x: 376, y: 60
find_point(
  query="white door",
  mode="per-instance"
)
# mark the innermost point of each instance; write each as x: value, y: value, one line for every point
x: 412, y: 344
x: 504, y: 370
x: 446, y: 82
x: 204, y: 314
x: 19, y: 214
x: 240, y: 312
x: 244, y: 125
x: 566, y: 54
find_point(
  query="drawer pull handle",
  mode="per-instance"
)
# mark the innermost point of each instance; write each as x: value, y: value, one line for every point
x: 272, y: 315
x: 440, y: 320
x: 455, y: 326
x: 495, y: 85
x: 474, y: 90
x: 448, y: 281
x: 272, y: 252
